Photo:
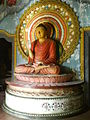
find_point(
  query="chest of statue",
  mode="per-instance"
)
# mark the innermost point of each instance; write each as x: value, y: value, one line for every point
x: 42, y: 51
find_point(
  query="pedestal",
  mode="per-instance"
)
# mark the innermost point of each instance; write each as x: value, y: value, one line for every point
x: 26, y: 100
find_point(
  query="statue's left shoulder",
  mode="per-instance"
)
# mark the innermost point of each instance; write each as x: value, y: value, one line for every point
x: 53, y: 42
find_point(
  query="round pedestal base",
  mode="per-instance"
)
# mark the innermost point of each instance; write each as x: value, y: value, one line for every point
x: 62, y: 101
x: 42, y: 116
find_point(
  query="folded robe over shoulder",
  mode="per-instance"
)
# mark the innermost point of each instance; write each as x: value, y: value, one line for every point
x: 45, y: 52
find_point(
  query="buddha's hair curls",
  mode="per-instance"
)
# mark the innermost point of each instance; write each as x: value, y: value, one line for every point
x: 41, y: 25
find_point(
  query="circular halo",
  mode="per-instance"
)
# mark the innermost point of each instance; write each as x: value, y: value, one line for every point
x: 59, y: 16
x: 56, y: 22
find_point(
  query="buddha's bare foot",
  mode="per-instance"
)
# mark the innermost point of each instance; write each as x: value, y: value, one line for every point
x: 50, y: 70
x: 24, y: 69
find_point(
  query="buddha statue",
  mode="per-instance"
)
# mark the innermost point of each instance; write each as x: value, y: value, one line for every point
x: 42, y: 55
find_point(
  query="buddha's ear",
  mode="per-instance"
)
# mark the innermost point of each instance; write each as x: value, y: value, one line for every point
x: 36, y: 33
x: 46, y: 34
x: 46, y: 37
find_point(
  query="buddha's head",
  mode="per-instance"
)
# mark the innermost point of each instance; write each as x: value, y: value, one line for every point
x: 41, y: 31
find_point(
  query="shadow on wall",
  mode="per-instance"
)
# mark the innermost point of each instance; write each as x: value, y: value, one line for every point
x: 5, y: 60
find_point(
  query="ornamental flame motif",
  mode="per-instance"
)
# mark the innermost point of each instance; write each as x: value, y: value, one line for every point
x: 61, y: 19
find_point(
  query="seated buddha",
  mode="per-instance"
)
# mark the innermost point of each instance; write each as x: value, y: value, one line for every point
x: 42, y: 55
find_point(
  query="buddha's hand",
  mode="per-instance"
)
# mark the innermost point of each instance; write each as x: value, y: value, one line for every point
x: 30, y: 54
x: 37, y: 64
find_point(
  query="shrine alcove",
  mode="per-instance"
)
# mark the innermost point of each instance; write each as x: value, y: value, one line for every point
x: 6, y: 58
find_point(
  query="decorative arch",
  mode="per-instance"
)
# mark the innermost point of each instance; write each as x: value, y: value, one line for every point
x: 82, y: 50
x: 59, y: 15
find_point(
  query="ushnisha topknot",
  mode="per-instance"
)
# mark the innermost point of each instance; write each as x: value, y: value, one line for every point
x: 41, y: 25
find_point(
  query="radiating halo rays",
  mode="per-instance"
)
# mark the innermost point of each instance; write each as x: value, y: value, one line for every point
x: 61, y: 22
x: 58, y: 28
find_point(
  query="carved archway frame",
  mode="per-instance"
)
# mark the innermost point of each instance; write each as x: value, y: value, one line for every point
x: 82, y: 51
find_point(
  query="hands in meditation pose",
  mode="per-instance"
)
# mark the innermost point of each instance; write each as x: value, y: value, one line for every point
x: 42, y: 55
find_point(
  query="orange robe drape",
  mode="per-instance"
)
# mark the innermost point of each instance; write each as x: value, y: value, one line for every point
x: 45, y: 52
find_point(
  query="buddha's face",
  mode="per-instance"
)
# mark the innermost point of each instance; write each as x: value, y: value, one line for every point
x: 40, y: 32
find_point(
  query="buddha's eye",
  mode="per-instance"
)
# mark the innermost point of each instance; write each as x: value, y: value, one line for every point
x: 39, y: 32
